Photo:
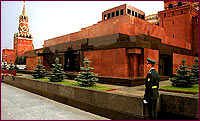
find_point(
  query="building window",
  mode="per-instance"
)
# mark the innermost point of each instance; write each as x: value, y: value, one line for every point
x: 117, y: 13
x: 128, y: 11
x: 170, y: 6
x: 173, y: 22
x: 172, y: 13
x: 139, y: 15
x: 121, y: 12
x: 105, y: 17
x: 179, y: 3
x: 181, y: 11
x: 108, y: 15
x: 133, y: 13
x: 173, y: 35
x: 142, y: 17
x: 136, y: 14
x: 113, y: 14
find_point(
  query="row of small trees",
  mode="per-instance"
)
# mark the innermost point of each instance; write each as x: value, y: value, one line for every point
x: 11, y: 67
x: 84, y: 78
x: 185, y: 77
x: 18, y: 61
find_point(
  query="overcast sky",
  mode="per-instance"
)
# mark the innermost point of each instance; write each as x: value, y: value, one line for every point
x: 49, y: 19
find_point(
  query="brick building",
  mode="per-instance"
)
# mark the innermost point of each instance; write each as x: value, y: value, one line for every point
x: 23, y: 41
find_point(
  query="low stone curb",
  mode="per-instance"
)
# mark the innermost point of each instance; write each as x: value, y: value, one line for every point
x: 177, y: 91
x: 110, y: 105
x: 107, y: 104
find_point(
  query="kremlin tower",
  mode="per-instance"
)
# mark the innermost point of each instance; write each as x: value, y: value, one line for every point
x: 23, y: 40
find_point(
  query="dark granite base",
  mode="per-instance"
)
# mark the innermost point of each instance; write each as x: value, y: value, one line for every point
x: 113, y: 106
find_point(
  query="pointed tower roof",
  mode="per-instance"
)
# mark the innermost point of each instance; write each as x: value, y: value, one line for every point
x: 24, y: 11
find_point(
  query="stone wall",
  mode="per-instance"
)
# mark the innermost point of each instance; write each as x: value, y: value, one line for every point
x: 31, y: 62
x: 180, y: 105
x: 23, y: 45
x: 177, y: 60
x: 9, y: 55
x: 32, y: 57
x: 112, y: 62
x: 109, y: 104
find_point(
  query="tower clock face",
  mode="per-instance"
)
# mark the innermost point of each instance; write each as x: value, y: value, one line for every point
x: 23, y: 28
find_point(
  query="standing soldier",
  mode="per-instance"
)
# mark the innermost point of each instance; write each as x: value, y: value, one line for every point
x: 151, y: 92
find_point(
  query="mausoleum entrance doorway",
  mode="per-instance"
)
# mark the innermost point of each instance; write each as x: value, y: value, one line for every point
x: 165, y: 65
x: 72, y: 61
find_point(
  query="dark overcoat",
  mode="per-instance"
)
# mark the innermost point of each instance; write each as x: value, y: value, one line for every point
x: 152, y: 85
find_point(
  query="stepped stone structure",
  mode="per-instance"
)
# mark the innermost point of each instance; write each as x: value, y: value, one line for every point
x: 119, y: 44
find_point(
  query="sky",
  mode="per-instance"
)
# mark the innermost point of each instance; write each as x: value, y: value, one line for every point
x: 49, y: 19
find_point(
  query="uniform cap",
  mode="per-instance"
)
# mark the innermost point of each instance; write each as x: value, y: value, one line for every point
x: 150, y: 61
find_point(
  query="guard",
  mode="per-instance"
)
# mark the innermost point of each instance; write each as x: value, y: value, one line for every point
x: 151, y: 92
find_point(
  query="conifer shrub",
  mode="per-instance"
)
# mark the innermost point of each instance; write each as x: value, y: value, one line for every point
x: 85, y: 77
x: 183, y: 77
x: 39, y: 72
x: 57, y: 74
x: 4, y: 66
x: 195, y: 71
x: 12, y: 67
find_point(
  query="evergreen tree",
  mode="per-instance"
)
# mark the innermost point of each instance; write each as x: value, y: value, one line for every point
x: 4, y: 66
x: 195, y: 71
x: 57, y: 74
x: 12, y: 67
x: 85, y: 77
x: 183, y: 77
x: 39, y: 72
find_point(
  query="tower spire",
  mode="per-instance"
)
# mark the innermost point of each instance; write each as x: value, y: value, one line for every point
x: 24, y: 11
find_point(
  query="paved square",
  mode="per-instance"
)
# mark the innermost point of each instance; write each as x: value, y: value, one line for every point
x: 18, y: 104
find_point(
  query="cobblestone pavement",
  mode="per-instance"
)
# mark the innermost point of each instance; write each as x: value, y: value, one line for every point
x: 18, y: 104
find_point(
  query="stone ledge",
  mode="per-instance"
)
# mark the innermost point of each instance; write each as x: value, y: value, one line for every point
x: 13, y: 72
x: 108, y: 104
x: 117, y: 106
x: 180, y: 105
